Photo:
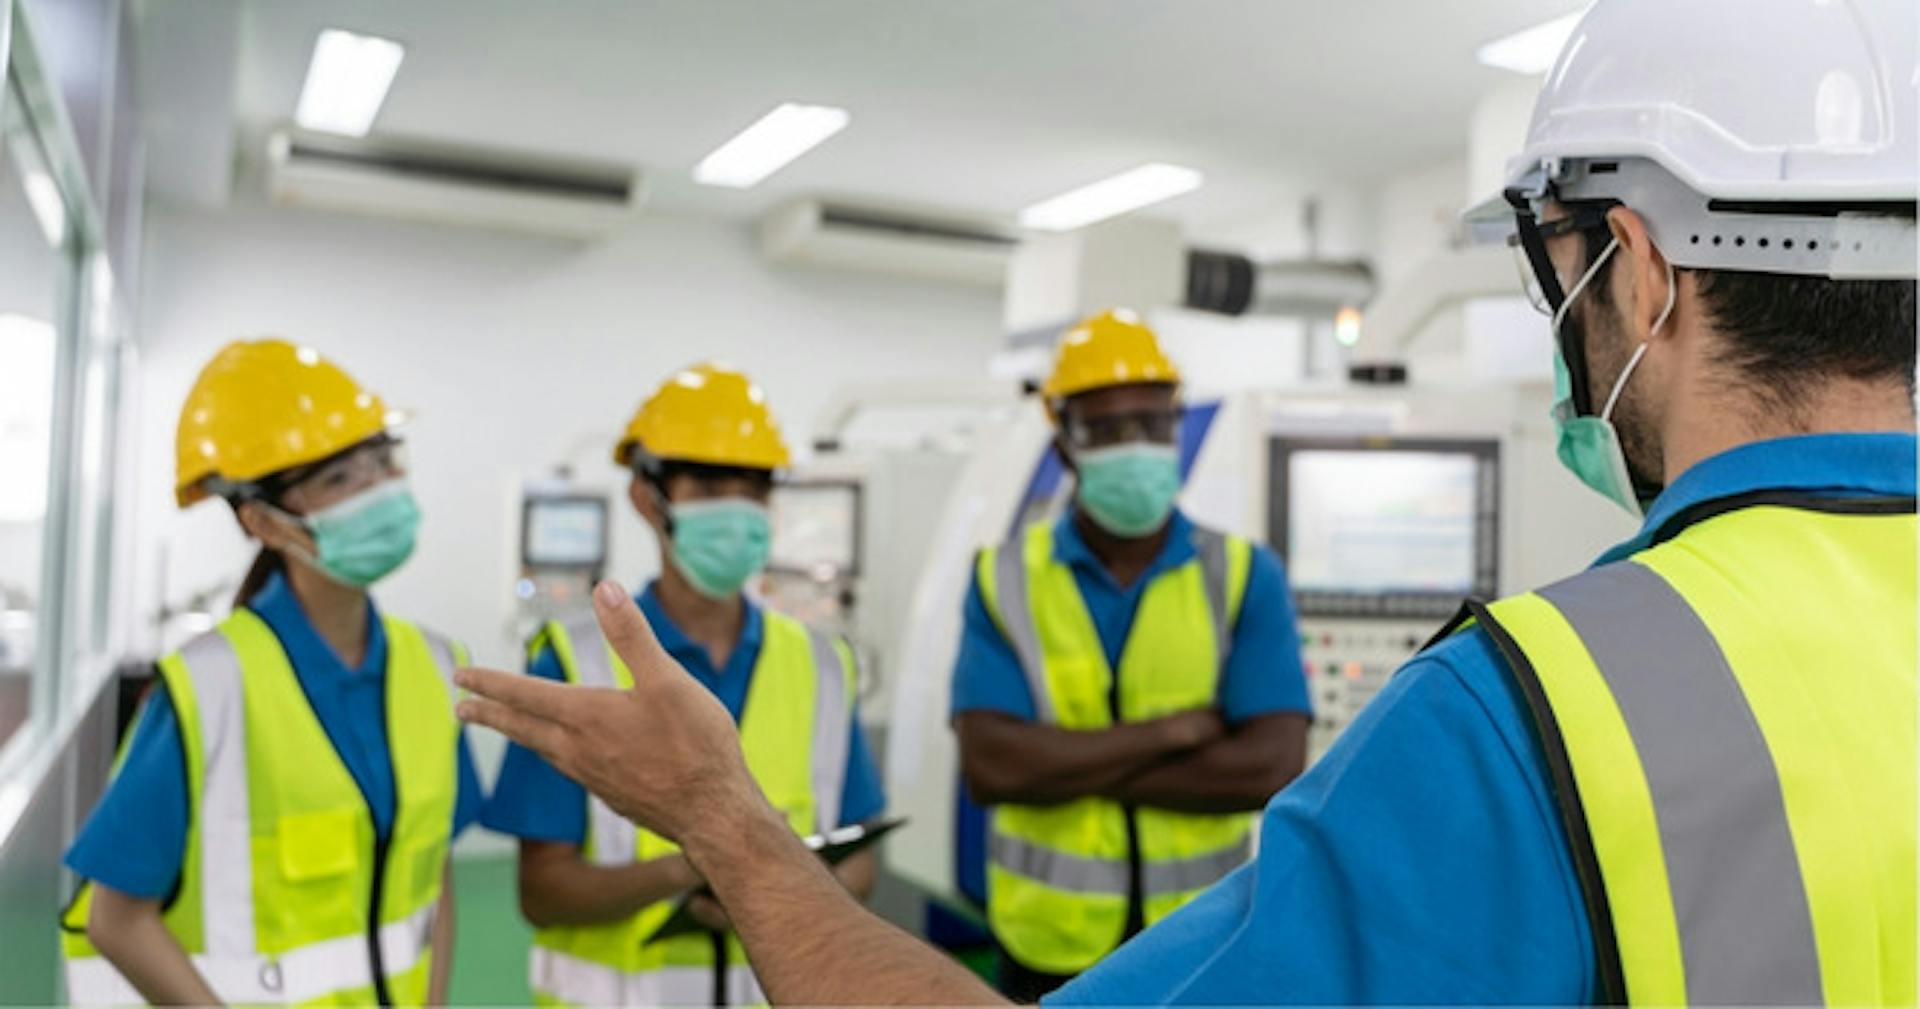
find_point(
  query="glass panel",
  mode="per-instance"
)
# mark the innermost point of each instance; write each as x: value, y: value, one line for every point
x: 33, y: 223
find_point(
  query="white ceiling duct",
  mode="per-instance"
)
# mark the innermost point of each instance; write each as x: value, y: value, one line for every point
x: 890, y: 240
x: 448, y: 184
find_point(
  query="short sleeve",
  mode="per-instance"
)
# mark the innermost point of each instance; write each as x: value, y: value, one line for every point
x: 531, y: 800
x: 1264, y: 673
x: 1419, y: 862
x: 136, y: 838
x: 986, y: 673
x: 862, y: 797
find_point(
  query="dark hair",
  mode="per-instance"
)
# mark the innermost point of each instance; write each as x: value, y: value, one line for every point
x: 664, y: 473
x: 267, y: 563
x: 1788, y: 333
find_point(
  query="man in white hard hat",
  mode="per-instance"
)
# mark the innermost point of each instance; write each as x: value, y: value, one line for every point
x: 1686, y: 775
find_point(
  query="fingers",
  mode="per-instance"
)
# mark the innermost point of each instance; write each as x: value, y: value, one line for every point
x: 627, y: 631
x: 543, y: 699
x: 536, y: 734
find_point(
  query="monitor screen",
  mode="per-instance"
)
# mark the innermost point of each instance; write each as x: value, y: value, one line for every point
x: 1386, y: 526
x: 816, y: 527
x: 564, y: 532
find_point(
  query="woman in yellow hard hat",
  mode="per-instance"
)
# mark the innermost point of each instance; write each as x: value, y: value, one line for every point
x: 277, y: 829
x: 703, y: 451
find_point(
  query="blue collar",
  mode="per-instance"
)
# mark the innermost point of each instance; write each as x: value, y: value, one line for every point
x: 276, y: 604
x: 681, y: 647
x: 1071, y: 549
x: 1823, y: 465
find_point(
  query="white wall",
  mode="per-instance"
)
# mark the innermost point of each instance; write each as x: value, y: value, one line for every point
x: 515, y: 354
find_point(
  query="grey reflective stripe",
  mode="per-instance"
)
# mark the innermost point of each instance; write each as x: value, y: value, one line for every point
x: 1212, y: 549
x: 1057, y: 869
x: 611, y: 838
x: 445, y: 659
x: 577, y: 981
x: 1746, y: 933
x: 832, y: 730
x: 1160, y: 879
x: 1016, y: 617
x: 224, y: 817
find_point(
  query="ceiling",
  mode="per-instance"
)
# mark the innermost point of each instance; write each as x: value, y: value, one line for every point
x: 985, y: 105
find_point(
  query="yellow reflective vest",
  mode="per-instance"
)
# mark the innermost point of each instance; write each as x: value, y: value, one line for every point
x: 795, y: 729
x: 1060, y: 878
x: 1728, y: 719
x: 286, y: 895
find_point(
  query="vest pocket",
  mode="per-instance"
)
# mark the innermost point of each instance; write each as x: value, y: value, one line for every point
x: 317, y: 845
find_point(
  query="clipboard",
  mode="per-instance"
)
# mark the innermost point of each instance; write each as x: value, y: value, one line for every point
x: 833, y: 847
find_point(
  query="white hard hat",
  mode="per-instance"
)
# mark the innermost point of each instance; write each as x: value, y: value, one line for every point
x: 1775, y: 136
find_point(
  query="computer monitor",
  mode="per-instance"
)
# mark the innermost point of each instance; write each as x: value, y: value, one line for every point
x: 816, y: 527
x: 1386, y: 527
x: 563, y: 531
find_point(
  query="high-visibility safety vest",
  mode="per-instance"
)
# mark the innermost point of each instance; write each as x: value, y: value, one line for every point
x: 794, y: 730
x: 1061, y: 879
x: 286, y: 895
x: 1728, y: 722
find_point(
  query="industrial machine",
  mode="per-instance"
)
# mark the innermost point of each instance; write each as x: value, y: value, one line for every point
x: 1382, y: 537
x: 563, y: 550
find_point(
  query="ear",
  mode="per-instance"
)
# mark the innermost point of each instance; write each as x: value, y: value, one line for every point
x: 646, y: 502
x: 1639, y: 263
x: 1066, y: 454
x: 262, y: 524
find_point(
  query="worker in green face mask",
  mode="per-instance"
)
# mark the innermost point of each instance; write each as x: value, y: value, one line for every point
x: 703, y: 451
x: 1128, y: 687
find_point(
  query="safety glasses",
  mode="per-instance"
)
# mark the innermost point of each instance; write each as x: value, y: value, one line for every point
x: 1529, y: 244
x: 371, y: 462
x: 1154, y: 426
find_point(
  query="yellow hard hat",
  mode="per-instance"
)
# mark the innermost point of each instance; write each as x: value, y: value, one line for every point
x: 1109, y: 349
x: 709, y: 413
x: 263, y: 406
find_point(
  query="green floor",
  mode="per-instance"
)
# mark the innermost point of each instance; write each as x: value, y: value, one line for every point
x: 490, y: 951
x: 490, y: 941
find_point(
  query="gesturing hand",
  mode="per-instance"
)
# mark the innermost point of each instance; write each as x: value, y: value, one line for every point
x: 664, y: 754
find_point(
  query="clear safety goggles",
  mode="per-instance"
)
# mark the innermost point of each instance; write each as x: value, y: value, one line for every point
x: 1159, y: 427
x: 1538, y: 278
x: 372, y: 462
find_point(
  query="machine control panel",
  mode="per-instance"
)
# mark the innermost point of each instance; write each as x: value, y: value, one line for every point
x: 1347, y: 663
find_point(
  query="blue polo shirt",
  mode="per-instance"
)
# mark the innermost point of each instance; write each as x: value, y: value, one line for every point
x: 136, y: 837
x: 1422, y: 859
x: 533, y: 801
x: 1263, y: 673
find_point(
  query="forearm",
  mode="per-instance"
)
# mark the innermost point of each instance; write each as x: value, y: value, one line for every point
x: 558, y: 887
x: 443, y: 933
x: 1238, y: 773
x: 858, y: 873
x: 128, y: 931
x: 1008, y: 761
x: 810, y: 941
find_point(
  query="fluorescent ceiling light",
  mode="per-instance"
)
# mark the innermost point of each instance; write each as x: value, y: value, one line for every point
x: 347, y: 81
x: 769, y: 144
x: 1130, y: 190
x: 1530, y: 50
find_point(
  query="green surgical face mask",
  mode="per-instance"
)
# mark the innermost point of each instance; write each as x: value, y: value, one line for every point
x: 364, y: 538
x: 720, y: 544
x: 1589, y: 447
x: 1128, y: 490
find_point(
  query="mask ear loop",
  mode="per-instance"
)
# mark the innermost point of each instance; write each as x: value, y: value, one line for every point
x: 1633, y: 362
